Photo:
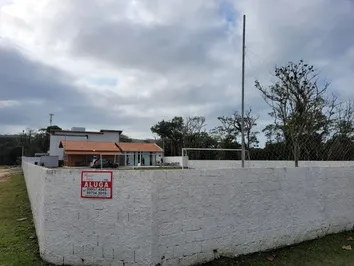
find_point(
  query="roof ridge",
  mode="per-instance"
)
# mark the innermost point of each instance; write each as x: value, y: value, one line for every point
x: 117, y: 145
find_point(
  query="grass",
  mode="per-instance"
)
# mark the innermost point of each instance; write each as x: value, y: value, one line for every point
x: 4, y: 167
x: 326, y: 251
x: 18, y: 242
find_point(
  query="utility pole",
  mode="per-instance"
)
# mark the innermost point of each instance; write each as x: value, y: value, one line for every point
x: 23, y: 143
x: 243, y: 153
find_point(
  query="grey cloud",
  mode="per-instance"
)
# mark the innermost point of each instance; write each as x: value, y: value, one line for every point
x: 155, y: 48
x: 42, y: 89
x: 185, y: 48
x: 13, y: 116
x: 23, y: 79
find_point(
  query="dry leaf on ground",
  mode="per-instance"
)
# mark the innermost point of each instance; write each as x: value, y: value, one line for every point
x: 347, y: 247
x: 350, y: 239
x: 271, y: 258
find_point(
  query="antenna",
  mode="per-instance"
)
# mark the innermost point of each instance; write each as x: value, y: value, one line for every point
x: 51, y: 118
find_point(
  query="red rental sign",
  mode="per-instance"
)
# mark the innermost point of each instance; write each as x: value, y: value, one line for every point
x: 96, y: 184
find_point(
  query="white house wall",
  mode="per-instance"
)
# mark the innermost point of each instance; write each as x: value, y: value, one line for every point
x: 106, y: 137
x: 54, y: 149
x: 184, y: 217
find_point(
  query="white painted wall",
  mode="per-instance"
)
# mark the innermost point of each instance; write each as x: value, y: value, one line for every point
x: 180, y: 217
x: 54, y: 149
x: 107, y: 136
x: 31, y: 160
x: 225, y: 164
x: 49, y: 161
x: 35, y: 181
x: 177, y: 159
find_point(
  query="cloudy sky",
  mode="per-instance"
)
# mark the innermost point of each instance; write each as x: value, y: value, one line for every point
x: 126, y: 64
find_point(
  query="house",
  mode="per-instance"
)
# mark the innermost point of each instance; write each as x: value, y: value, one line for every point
x: 146, y: 154
x: 81, y: 153
x: 79, y: 134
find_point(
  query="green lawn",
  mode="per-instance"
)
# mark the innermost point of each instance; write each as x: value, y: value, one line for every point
x: 18, y: 243
x: 326, y: 251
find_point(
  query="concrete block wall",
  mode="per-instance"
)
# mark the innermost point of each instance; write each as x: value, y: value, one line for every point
x: 49, y: 161
x: 177, y: 159
x: 31, y: 160
x: 183, y: 217
x: 95, y: 231
x: 202, y: 214
x: 225, y: 164
x: 35, y: 181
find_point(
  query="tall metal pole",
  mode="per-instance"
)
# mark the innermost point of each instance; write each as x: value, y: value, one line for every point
x: 243, y: 92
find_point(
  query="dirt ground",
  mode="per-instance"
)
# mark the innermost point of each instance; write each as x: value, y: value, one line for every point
x: 4, y: 174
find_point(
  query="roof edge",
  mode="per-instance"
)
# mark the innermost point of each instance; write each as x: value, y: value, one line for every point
x: 111, y: 130
x: 158, y: 146
x: 73, y: 131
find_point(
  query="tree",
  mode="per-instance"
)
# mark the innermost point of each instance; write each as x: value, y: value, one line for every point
x: 340, y: 146
x: 193, y: 127
x: 124, y: 138
x: 172, y: 130
x: 42, y: 137
x: 273, y: 134
x: 231, y: 127
x: 300, y: 108
x: 344, y: 121
x: 10, y: 149
x: 178, y: 133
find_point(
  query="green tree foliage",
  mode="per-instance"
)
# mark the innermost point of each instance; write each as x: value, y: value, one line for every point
x: 172, y: 130
x: 10, y: 149
x: 178, y: 133
x: 231, y: 126
x: 124, y: 138
x: 29, y: 140
x: 300, y: 107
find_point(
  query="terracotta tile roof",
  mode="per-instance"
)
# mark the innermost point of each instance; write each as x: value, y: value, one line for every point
x: 91, y: 153
x: 136, y: 146
x: 88, y: 146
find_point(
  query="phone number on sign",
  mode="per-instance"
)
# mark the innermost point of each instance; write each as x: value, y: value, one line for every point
x: 96, y: 192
